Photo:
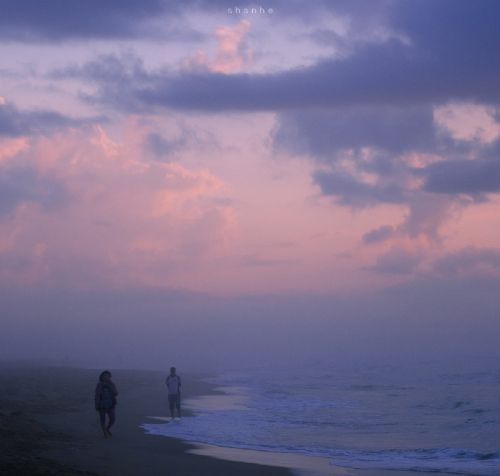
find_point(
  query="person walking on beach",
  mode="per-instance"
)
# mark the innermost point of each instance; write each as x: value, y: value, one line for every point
x: 105, y: 401
x: 173, y: 383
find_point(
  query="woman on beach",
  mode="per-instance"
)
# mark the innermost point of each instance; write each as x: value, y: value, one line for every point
x: 105, y: 401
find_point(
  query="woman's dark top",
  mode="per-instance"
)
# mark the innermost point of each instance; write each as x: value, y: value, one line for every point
x: 105, y: 396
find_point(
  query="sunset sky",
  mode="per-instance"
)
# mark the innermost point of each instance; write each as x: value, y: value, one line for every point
x: 327, y: 150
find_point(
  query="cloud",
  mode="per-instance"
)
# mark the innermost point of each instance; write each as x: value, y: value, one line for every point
x: 364, y: 115
x: 402, y: 72
x: 162, y: 147
x: 428, y: 213
x: 167, y: 139
x: 424, y: 221
x: 10, y: 146
x: 397, y: 76
x: 53, y: 20
x: 323, y: 133
x: 232, y: 53
x: 22, y: 183
x: 397, y: 261
x: 106, y: 68
x: 15, y: 122
x: 453, y: 32
x: 469, y: 261
x: 350, y: 191
x: 396, y: 79
x: 474, y: 177
x: 361, y: 151
x: 469, y: 122
x: 379, y: 155
x: 128, y: 222
x: 380, y: 234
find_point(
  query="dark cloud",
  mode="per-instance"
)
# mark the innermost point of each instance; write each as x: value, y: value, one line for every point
x: 353, y: 192
x: 56, y: 20
x: 332, y: 137
x: 321, y: 133
x: 105, y: 69
x: 380, y: 75
x: 396, y: 72
x: 21, y: 183
x: 397, y: 261
x: 326, y: 37
x: 382, y: 97
x: 59, y: 20
x: 388, y: 74
x: 428, y: 212
x: 337, y: 83
x: 114, y: 76
x: 14, y: 122
x: 463, y: 176
x: 162, y: 147
x: 162, y: 144
x: 461, y: 33
x: 379, y: 234
x: 469, y: 261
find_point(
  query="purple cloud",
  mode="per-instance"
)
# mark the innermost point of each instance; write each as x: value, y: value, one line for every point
x: 22, y: 183
x: 469, y: 260
x: 397, y: 261
x: 15, y: 122
x: 472, y: 177
x: 350, y: 191
x: 58, y: 20
x: 382, y: 233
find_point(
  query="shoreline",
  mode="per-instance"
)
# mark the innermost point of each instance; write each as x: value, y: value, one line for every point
x: 224, y: 397
x: 220, y: 398
x: 300, y: 465
x: 49, y: 427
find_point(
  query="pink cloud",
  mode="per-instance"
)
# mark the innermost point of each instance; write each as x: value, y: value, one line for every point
x: 231, y: 56
x: 10, y: 147
x: 124, y: 221
x: 468, y: 121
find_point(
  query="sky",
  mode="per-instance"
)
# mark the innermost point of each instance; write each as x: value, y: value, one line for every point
x: 215, y: 183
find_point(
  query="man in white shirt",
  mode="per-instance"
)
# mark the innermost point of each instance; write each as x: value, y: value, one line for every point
x: 173, y: 383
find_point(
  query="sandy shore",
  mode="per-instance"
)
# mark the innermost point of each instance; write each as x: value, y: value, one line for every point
x: 48, y: 426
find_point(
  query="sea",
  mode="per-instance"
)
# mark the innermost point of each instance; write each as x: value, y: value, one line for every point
x: 423, y: 417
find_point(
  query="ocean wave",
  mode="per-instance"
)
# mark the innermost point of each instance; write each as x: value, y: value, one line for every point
x: 353, y: 424
x: 438, y: 460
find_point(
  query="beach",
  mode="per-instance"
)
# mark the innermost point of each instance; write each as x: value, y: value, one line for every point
x: 49, y: 426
